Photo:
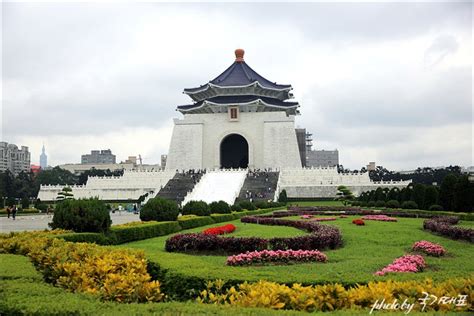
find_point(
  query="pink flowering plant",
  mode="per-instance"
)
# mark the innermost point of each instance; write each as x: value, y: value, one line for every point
x: 275, y: 257
x: 429, y: 248
x: 407, y: 263
x: 382, y: 218
x: 306, y: 216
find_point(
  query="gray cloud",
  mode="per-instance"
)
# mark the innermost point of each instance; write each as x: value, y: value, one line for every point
x: 363, y: 72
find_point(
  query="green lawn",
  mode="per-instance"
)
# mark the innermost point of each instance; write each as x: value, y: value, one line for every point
x: 366, y: 250
x: 23, y: 292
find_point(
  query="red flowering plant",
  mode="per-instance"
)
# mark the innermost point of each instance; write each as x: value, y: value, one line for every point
x: 358, y: 222
x: 221, y: 230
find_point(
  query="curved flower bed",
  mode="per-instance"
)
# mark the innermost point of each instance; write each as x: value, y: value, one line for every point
x: 444, y: 226
x: 320, y: 237
x: 407, y: 263
x: 429, y: 248
x: 276, y: 257
x: 382, y: 218
x: 221, y: 230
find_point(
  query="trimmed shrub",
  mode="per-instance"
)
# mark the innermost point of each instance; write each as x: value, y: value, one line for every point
x: 25, y: 203
x: 220, y: 207
x: 444, y: 225
x: 218, y: 218
x: 380, y: 204
x: 282, y: 197
x: 160, y: 210
x: 355, y: 203
x: 371, y: 204
x: 236, y: 208
x: 93, y: 238
x: 392, y: 204
x: 261, y: 204
x: 247, y: 205
x: 124, y: 234
x: 195, y: 222
x: 199, y: 208
x: 89, y: 215
x: 362, y: 204
x: 436, y: 208
x: 411, y: 205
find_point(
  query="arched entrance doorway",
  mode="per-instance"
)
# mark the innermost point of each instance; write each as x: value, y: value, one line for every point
x: 234, y: 152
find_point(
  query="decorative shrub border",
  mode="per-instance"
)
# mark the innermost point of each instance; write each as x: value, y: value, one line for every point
x: 320, y: 237
x: 445, y: 226
x: 276, y: 257
x: 125, y: 233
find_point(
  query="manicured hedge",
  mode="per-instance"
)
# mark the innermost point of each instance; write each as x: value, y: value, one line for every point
x: 445, y: 227
x: 218, y: 218
x: 93, y: 238
x: 195, y: 222
x: 144, y: 231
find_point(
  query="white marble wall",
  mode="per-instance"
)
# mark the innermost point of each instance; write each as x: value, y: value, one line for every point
x: 270, y: 135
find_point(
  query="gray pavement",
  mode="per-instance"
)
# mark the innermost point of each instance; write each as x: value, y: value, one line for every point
x: 40, y: 221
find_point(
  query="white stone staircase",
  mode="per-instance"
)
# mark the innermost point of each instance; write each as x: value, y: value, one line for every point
x: 218, y: 185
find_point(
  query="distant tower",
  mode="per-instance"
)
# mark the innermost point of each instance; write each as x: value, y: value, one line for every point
x: 43, y: 159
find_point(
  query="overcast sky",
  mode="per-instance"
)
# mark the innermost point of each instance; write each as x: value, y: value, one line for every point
x: 390, y: 83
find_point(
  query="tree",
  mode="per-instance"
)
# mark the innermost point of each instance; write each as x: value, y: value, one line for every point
x: 65, y: 194
x: 431, y: 197
x: 464, y: 195
x: 393, y: 194
x: 282, y: 197
x: 344, y: 194
x: 418, y: 194
x: 158, y: 209
x: 446, y: 192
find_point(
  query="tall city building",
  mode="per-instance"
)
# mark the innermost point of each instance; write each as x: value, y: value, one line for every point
x: 98, y: 157
x: 43, y: 159
x: 13, y: 158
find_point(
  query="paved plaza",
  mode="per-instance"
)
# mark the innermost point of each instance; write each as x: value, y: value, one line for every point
x: 40, y: 221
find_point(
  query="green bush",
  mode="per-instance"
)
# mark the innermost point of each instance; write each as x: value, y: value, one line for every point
x: 282, y: 197
x: 160, y: 210
x: 362, y: 204
x: 42, y: 207
x: 371, y: 203
x: 199, y: 208
x: 410, y: 205
x: 218, y: 218
x: 220, y: 207
x: 261, y: 204
x: 436, y: 208
x: 392, y: 204
x: 124, y: 234
x: 247, y: 205
x: 355, y: 203
x: 25, y: 203
x: 195, y: 222
x: 85, y: 215
x: 380, y: 204
x: 236, y: 208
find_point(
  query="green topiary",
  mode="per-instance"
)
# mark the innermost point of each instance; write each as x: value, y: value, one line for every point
x: 85, y: 215
x: 409, y: 205
x: 247, y: 205
x: 371, y: 203
x: 220, y: 207
x: 282, y: 197
x: 436, y: 207
x: 380, y: 204
x: 199, y: 208
x: 392, y: 204
x: 160, y: 210
x: 261, y: 204
x: 236, y: 208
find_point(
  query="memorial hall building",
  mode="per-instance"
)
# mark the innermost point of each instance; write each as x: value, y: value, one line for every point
x: 236, y: 136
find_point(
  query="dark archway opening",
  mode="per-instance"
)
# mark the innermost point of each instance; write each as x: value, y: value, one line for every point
x: 234, y: 152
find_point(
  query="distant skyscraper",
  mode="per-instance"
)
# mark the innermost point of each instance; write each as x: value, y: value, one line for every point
x: 43, y: 159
